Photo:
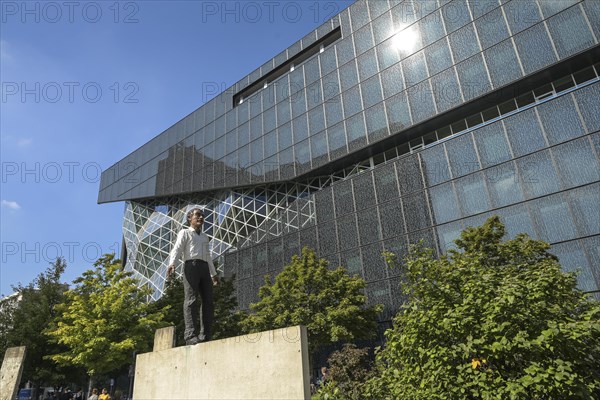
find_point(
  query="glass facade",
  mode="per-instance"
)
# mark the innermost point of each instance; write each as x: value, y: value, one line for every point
x: 422, y: 119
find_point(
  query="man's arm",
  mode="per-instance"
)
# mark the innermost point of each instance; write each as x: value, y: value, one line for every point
x: 212, y: 269
x: 211, y: 265
x: 175, y: 253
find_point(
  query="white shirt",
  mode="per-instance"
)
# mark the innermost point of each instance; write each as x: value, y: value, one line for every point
x: 192, y: 246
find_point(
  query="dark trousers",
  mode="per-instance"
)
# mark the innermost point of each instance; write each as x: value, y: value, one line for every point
x: 197, y: 280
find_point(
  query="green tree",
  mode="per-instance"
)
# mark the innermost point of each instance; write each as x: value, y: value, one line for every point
x: 349, y: 369
x: 227, y: 320
x: 172, y: 302
x: 492, y: 320
x: 23, y: 321
x: 104, y: 318
x: 330, y: 303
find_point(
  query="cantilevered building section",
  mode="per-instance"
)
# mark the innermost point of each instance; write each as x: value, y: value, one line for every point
x: 392, y: 123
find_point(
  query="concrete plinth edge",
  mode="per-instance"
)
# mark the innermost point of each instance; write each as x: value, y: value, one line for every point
x: 164, y: 338
x: 10, y: 374
x: 265, y: 365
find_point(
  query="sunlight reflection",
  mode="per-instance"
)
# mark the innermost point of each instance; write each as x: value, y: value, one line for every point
x: 406, y: 41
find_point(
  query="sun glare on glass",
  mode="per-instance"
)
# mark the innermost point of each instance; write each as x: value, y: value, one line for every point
x: 406, y: 40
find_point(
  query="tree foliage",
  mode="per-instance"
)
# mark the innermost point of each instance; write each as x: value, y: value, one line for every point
x: 23, y: 321
x: 349, y: 369
x: 104, y: 318
x: 172, y: 303
x: 227, y: 320
x: 492, y: 320
x: 330, y: 303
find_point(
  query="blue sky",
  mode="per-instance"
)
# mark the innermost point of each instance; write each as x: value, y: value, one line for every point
x: 86, y: 83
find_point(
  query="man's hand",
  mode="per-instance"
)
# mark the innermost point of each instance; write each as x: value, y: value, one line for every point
x: 215, y: 280
x: 170, y: 270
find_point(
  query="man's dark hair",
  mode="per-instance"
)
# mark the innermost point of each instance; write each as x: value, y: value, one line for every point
x: 192, y: 211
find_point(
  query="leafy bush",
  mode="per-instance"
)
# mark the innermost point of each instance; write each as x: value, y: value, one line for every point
x: 349, y: 369
x: 493, y: 320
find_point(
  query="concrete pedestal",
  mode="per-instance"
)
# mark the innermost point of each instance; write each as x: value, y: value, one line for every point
x: 266, y: 365
x: 10, y: 374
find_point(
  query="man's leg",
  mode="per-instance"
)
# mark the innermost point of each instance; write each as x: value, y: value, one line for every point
x: 191, y: 283
x: 208, y: 308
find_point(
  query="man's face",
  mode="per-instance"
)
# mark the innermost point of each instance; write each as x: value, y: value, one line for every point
x: 197, y: 220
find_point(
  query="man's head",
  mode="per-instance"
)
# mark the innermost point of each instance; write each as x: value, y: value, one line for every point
x: 195, y: 218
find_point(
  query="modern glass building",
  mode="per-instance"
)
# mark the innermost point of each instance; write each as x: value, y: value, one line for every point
x: 393, y: 122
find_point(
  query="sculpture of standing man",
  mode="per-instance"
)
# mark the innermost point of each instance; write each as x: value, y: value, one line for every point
x: 199, y: 276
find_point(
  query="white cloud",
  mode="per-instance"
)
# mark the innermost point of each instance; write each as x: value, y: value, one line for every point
x: 13, y: 205
x: 6, y: 56
x: 25, y: 142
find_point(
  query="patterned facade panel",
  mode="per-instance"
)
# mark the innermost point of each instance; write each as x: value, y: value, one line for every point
x: 382, y: 141
x: 537, y: 193
x: 425, y: 58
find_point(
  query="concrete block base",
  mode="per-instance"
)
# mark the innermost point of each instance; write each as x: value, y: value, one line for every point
x: 266, y: 365
x: 10, y: 374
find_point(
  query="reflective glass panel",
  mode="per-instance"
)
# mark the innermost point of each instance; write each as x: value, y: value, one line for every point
x: 587, y: 99
x: 444, y: 203
x: 438, y: 56
x: 553, y: 219
x: 584, y: 204
x: 560, y: 119
x: 576, y: 162
x: 446, y: 90
x: 414, y: 69
x: 431, y: 28
x: 462, y: 156
x: 367, y: 65
x: 472, y: 194
x: 392, y: 81
x: 456, y: 14
x: 371, y: 91
x: 570, y: 32
x: 502, y: 63
x: 538, y: 175
x: 421, y: 101
x: 464, y: 43
x: 491, y: 28
x: 524, y: 132
x: 474, y: 79
x: 535, y: 49
x: 517, y: 220
x: 435, y: 165
x: 447, y: 234
x: 398, y: 113
x: 377, y: 126
x: 521, y: 15
x: 492, y: 144
x: 348, y: 75
x: 504, y: 185
x: 352, y: 101
x: 572, y: 258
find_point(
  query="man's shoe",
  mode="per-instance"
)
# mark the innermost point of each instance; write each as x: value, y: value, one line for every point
x: 192, y: 341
